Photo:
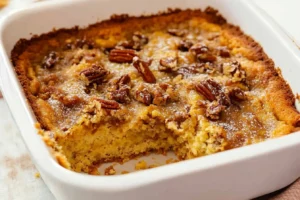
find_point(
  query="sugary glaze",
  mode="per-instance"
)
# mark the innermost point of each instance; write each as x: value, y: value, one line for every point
x: 185, y: 81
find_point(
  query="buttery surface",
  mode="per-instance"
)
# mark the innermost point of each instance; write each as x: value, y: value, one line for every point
x: 185, y: 81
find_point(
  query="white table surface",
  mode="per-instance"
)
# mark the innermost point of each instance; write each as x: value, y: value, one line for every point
x: 17, y: 173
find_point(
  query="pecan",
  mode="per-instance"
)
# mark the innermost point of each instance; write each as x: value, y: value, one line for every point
x: 223, y: 52
x: 207, y: 90
x: 224, y: 100
x: 178, y: 117
x: 79, y: 56
x: 202, y: 53
x: 218, y: 97
x: 50, y: 60
x: 219, y: 67
x: 159, y: 98
x: 199, y: 48
x: 191, y: 69
x: 214, y: 86
x: 143, y: 68
x: 83, y: 43
x: 207, y: 57
x: 212, y: 90
x: 207, y: 67
x: 121, y: 95
x: 94, y: 74
x: 144, y: 96
x: 125, y: 79
x: 68, y: 46
x: 187, y: 70
x: 214, y: 110
x: 237, y: 94
x: 168, y: 92
x: 87, y: 90
x: 153, y: 94
x: 229, y: 68
x: 121, y: 55
x: 79, y: 43
x: 168, y: 64
x: 139, y: 40
x: 125, y: 45
x: 234, y: 69
x: 108, y: 104
x: 177, y: 32
x: 210, y: 68
x: 185, y: 45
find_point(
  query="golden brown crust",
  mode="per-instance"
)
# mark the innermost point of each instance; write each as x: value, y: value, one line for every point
x: 18, y: 49
x: 278, y: 92
x: 217, y: 91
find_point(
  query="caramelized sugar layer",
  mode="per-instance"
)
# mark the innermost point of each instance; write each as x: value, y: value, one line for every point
x: 185, y: 81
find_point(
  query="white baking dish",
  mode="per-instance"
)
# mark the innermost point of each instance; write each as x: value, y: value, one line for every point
x: 241, y: 173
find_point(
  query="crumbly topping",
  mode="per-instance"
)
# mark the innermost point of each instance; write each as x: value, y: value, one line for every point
x: 94, y: 74
x: 110, y: 170
x: 157, y: 67
x: 141, y: 165
x: 188, y: 81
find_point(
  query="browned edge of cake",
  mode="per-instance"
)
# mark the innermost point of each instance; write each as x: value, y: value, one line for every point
x: 279, y: 93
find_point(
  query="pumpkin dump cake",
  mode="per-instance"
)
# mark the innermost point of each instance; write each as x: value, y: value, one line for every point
x: 185, y: 81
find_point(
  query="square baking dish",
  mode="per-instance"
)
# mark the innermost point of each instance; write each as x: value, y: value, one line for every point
x: 241, y: 173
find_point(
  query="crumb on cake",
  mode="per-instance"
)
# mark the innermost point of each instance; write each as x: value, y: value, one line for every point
x: 185, y: 81
x: 110, y: 170
x: 141, y: 165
